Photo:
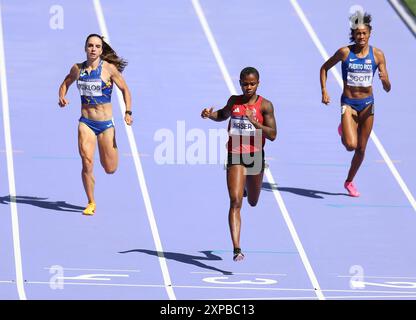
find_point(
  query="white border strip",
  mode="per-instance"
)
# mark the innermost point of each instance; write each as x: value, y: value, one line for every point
x: 10, y: 168
x: 139, y: 171
x: 238, y: 288
x: 328, y: 297
x: 232, y: 89
x: 338, y: 77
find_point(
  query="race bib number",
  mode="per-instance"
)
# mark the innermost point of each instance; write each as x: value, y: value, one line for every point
x: 359, y: 79
x: 242, y: 127
x: 90, y: 88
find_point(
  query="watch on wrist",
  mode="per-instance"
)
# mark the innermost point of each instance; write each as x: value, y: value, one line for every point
x: 129, y: 112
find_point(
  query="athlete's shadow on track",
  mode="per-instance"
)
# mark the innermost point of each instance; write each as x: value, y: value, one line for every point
x: 42, y: 203
x: 301, y: 192
x: 186, y: 258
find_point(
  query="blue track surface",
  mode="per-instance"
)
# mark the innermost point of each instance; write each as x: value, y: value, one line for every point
x: 173, y: 74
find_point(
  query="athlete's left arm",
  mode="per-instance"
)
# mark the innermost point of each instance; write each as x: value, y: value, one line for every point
x: 118, y: 79
x: 269, y: 122
x: 382, y: 70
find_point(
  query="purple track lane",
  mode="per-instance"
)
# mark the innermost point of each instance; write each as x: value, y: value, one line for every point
x: 354, y: 248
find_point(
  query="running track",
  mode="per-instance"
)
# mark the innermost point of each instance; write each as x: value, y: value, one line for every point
x: 160, y: 231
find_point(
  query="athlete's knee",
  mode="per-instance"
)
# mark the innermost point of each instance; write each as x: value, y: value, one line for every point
x: 87, y: 163
x: 236, y: 202
x: 109, y: 166
x: 110, y: 170
x: 253, y: 202
x: 350, y: 145
x: 360, y: 150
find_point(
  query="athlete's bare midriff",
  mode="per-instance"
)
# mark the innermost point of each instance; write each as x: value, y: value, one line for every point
x: 357, y: 92
x: 99, y: 112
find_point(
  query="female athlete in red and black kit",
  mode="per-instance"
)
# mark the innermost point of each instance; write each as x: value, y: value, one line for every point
x: 252, y: 121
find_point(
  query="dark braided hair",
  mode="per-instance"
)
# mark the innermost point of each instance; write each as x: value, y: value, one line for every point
x: 109, y: 54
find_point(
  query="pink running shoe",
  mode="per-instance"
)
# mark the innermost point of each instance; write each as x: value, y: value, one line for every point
x: 352, y: 191
x: 340, y: 129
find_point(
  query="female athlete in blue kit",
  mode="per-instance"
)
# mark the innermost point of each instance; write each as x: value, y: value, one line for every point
x: 95, y: 78
x: 359, y: 63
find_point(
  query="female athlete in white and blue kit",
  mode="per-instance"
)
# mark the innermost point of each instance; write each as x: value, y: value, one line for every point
x: 359, y: 63
x: 95, y: 78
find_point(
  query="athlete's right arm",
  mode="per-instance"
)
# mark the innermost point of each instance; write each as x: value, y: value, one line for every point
x: 69, y: 79
x: 340, y: 55
x: 221, y: 114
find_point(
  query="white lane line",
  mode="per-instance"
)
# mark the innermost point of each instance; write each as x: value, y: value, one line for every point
x: 82, y: 269
x: 175, y: 286
x: 95, y: 277
x: 244, y: 273
x: 338, y: 77
x: 10, y: 168
x: 295, y: 236
x: 378, y: 277
x: 267, y: 298
x: 402, y: 11
x: 102, y: 284
x: 233, y: 91
x: 139, y: 171
x: 214, y: 47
